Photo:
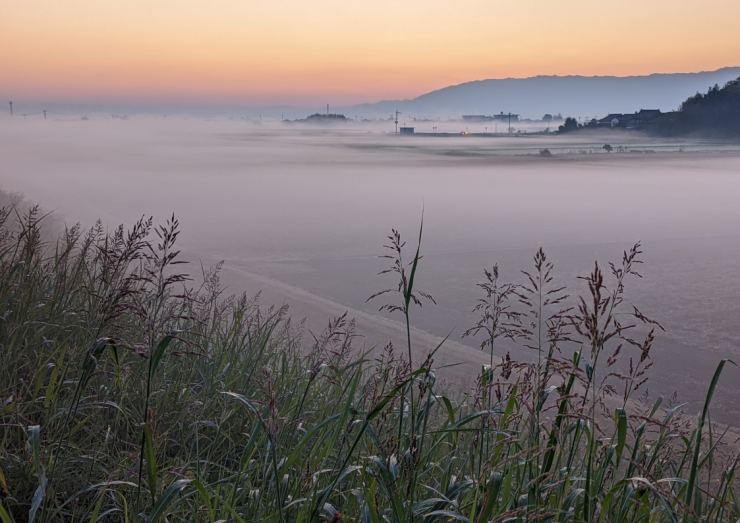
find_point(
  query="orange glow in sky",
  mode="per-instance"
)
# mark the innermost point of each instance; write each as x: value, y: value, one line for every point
x: 304, y: 52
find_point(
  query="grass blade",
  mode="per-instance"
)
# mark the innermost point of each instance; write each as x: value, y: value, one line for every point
x: 151, y: 463
x: 693, y: 471
x: 165, y: 500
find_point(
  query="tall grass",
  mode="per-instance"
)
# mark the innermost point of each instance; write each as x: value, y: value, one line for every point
x: 127, y: 394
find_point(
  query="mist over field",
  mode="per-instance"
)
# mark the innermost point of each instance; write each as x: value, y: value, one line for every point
x: 302, y: 214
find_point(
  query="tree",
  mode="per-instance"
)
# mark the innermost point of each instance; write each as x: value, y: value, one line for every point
x: 547, y: 118
x: 571, y: 124
x: 608, y: 148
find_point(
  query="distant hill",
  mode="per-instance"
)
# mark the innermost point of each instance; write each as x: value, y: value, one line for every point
x: 569, y: 95
x: 321, y: 119
x: 579, y: 96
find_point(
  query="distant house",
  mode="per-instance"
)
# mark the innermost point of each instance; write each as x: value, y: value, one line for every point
x: 648, y: 114
x: 477, y: 118
x: 508, y: 117
x: 630, y: 121
x: 662, y: 121
x: 612, y: 120
x: 642, y: 118
x: 501, y: 117
x: 406, y: 130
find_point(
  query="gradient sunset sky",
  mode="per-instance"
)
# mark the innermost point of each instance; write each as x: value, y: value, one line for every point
x: 301, y: 52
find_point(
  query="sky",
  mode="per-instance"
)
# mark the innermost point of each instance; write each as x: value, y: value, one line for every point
x: 307, y: 53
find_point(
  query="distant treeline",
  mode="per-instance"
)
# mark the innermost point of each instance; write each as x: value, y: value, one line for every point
x: 716, y: 113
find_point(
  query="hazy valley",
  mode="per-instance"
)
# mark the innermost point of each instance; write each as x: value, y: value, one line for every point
x: 302, y: 215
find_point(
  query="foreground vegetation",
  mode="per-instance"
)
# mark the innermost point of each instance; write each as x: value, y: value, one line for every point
x: 127, y: 394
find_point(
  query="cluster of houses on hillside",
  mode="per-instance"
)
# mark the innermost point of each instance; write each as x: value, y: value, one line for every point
x: 643, y: 119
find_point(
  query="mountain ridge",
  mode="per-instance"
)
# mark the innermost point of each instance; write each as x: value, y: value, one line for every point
x: 530, y: 97
x: 574, y: 95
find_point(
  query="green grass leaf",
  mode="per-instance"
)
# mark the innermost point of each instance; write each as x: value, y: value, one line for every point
x: 694, y: 469
x: 151, y: 462
x: 621, y: 418
x: 158, y: 353
x: 4, y: 516
x: 205, y: 497
x: 165, y: 500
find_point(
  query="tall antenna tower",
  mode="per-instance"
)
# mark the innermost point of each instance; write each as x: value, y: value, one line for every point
x: 397, y: 122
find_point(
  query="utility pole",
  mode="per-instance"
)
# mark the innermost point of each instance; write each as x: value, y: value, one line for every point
x: 11, y: 108
x: 509, y: 122
x: 44, y: 114
x: 327, y: 109
x: 396, y: 122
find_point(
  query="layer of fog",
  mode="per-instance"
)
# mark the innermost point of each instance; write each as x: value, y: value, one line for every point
x: 305, y: 212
